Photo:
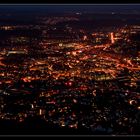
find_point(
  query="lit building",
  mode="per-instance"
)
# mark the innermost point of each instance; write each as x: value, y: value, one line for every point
x: 112, y: 37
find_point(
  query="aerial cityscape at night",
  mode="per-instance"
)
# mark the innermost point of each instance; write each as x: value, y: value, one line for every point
x: 70, y: 69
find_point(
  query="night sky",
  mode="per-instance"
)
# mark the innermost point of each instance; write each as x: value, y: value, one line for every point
x: 70, y: 8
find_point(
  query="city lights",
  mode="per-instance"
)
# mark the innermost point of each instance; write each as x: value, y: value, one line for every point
x: 70, y: 72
